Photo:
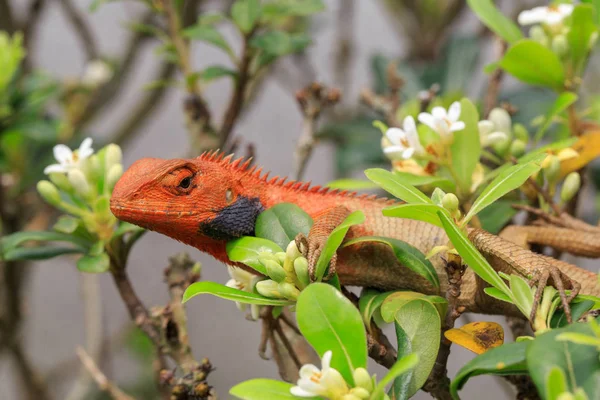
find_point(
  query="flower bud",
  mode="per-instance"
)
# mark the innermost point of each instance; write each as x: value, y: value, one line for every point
x: 112, y: 156
x: 570, y: 187
x: 113, y: 176
x: 520, y: 132
x: 361, y: 393
x: 275, y: 271
x: 301, y: 269
x: 60, y: 181
x: 78, y: 181
x: 268, y: 288
x: 565, y: 396
x: 437, y: 196
x: 560, y: 45
x: 265, y: 256
x: 362, y: 379
x: 552, y: 168
x: 289, y: 291
x: 485, y: 127
x: 517, y: 148
x: 49, y: 192
x: 501, y: 119
x: 538, y: 34
x: 350, y: 396
x: 292, y: 251
x: 450, y: 202
x: 280, y: 256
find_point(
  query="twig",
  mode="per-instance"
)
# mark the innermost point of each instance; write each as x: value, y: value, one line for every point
x: 545, y: 195
x: 239, y: 92
x: 84, y: 33
x: 90, y: 293
x: 491, y: 97
x: 312, y: 101
x: 344, y: 44
x: 143, y: 108
x: 101, y: 380
x: 7, y: 22
x: 29, y: 26
x: 438, y: 383
x: 33, y: 383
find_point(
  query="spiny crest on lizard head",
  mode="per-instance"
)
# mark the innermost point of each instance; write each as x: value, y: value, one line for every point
x: 242, y: 166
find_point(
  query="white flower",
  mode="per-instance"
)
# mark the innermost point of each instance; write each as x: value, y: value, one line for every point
x: 326, y: 381
x: 243, y: 280
x: 442, y: 121
x: 96, y: 73
x: 550, y: 15
x: 68, y: 159
x: 404, y: 142
x: 487, y: 135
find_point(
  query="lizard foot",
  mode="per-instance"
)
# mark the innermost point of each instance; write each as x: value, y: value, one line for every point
x: 311, y: 247
x: 552, y: 275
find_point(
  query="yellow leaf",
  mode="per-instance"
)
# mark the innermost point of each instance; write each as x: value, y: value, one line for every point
x: 477, y: 336
x: 588, y: 147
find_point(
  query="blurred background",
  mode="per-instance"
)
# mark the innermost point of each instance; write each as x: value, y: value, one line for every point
x: 352, y: 43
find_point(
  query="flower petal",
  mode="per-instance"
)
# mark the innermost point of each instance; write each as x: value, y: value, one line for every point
x: 63, y: 154
x: 439, y: 112
x: 298, y: 391
x: 427, y: 119
x: 394, y: 135
x: 326, y: 360
x: 454, y: 111
x: 457, y: 126
x: 409, y: 125
x: 55, y: 168
x: 408, y: 153
x: 308, y: 370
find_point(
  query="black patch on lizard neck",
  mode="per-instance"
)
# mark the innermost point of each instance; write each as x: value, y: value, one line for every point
x: 234, y: 221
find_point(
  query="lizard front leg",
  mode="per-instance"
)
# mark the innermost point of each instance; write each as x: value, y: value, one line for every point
x: 312, y: 246
x: 507, y: 257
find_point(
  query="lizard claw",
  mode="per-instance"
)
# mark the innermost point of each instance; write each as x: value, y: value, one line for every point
x: 550, y: 274
x: 311, y: 248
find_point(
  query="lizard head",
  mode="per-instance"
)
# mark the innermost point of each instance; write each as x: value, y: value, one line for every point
x: 196, y: 201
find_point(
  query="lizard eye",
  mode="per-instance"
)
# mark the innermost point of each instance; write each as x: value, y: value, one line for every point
x: 185, y: 182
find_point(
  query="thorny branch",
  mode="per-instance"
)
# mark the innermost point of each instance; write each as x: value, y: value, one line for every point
x: 312, y: 100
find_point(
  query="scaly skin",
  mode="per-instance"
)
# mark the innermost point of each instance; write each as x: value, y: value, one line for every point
x: 205, y: 202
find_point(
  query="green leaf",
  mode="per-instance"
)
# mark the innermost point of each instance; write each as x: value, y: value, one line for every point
x: 226, y: 292
x: 406, y: 254
x: 563, y: 101
x: 391, y: 183
x: 125, y: 228
x: 329, y: 321
x: 215, y: 72
x: 578, y: 308
x: 247, y: 249
x: 94, y: 263
x: 508, y: 359
x: 37, y: 253
x: 497, y: 294
x: 466, y: 147
x: 370, y: 300
x: 428, y: 181
x: 522, y: 294
x: 66, y: 224
x: 208, y: 34
x: 245, y: 14
x: 421, y: 212
x: 581, y: 30
x: 402, y: 366
x: 281, y: 223
x: 351, y: 184
x: 531, y: 62
x: 18, y: 238
x: 396, y: 300
x: 494, y: 217
x: 211, y: 18
x: 556, y: 383
x: 299, y: 8
x: 421, y: 323
x: 334, y: 241
x: 509, y: 180
x: 502, y: 26
x: 260, y: 389
x: 280, y: 43
x: 580, y: 363
x: 471, y: 255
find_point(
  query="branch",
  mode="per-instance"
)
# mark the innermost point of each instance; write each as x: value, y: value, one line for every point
x: 80, y: 26
x: 7, y: 22
x: 239, y: 92
x: 491, y: 97
x: 312, y: 100
x: 101, y: 380
x: 140, y: 111
x: 344, y: 44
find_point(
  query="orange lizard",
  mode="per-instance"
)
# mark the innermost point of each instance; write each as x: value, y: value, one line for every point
x: 207, y: 201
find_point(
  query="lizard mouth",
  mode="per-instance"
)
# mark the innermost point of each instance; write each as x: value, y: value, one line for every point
x: 132, y: 214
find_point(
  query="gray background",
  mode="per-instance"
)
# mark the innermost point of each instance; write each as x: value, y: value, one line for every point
x: 54, y: 310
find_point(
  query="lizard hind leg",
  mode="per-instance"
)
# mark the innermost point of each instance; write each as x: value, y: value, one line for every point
x: 552, y: 274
